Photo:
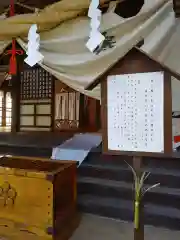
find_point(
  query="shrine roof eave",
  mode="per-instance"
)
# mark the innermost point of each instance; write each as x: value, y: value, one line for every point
x: 98, y: 80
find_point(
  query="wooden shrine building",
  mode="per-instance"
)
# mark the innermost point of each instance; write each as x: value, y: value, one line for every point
x: 34, y: 104
x: 44, y: 103
x: 44, y: 113
x: 39, y: 113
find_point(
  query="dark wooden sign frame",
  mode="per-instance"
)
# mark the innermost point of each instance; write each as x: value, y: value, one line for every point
x: 167, y: 121
x: 137, y: 61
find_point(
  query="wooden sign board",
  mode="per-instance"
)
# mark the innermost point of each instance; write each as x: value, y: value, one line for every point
x: 135, y: 112
x: 137, y: 118
x: 136, y: 105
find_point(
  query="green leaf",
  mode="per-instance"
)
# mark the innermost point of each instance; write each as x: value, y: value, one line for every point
x: 150, y: 188
x: 133, y: 171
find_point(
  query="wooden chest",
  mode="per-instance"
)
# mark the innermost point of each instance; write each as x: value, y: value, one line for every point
x: 37, y: 198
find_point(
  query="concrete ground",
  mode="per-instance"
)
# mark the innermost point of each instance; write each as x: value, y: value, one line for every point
x: 97, y: 228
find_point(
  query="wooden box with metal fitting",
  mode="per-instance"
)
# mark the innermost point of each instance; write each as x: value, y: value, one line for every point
x: 37, y: 198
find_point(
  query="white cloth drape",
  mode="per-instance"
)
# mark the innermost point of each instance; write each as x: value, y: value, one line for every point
x: 66, y: 56
x: 65, y: 53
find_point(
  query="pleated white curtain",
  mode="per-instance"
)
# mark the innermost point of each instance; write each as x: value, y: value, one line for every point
x: 66, y: 56
x: 65, y: 53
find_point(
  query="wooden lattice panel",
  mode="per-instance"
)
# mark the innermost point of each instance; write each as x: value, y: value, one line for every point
x: 66, y: 124
x: 67, y: 110
x: 36, y: 83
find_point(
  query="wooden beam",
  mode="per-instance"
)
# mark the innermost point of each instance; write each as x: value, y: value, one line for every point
x: 4, y: 68
x: 176, y: 8
x: 15, y: 102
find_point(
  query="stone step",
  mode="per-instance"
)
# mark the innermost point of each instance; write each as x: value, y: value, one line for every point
x: 26, y: 151
x: 161, y: 216
x: 105, y: 187
x: 98, y: 158
x: 166, y: 177
x: 162, y: 196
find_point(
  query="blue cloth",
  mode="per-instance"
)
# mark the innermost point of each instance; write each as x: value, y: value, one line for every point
x: 76, y: 148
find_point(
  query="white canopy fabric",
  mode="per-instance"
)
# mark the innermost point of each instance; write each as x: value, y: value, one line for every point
x: 66, y: 56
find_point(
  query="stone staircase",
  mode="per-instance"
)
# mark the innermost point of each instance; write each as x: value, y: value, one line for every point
x: 105, y: 187
x: 32, y: 144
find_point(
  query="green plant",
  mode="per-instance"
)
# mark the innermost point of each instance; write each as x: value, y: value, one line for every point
x: 140, y: 191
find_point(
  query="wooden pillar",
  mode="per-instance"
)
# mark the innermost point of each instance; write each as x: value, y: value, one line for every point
x: 82, y: 118
x: 4, y: 109
x: 53, y: 100
x: 98, y: 115
x: 15, y: 102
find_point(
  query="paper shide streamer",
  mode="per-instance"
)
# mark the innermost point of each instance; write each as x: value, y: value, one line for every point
x: 108, y: 43
x: 34, y: 56
x: 95, y: 38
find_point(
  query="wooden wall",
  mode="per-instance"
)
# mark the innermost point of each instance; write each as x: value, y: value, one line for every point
x: 67, y: 108
x: 35, y: 115
x: 46, y: 104
x: 36, y: 95
x: 75, y: 111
